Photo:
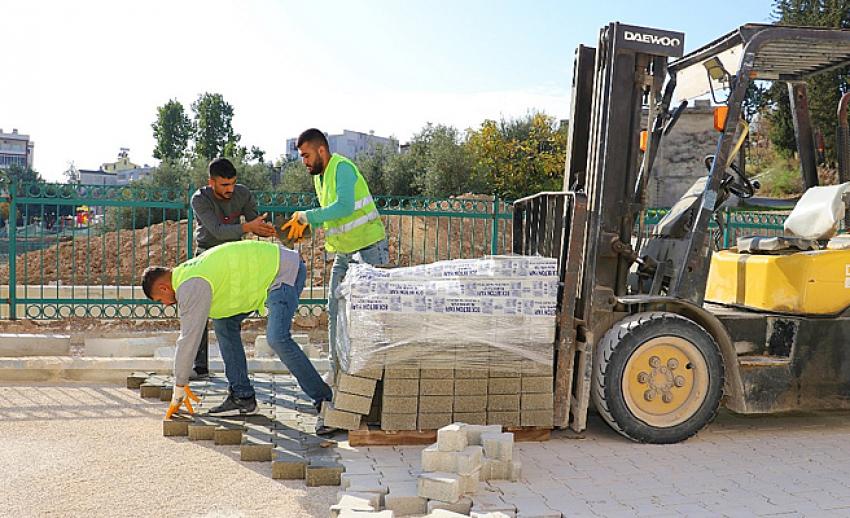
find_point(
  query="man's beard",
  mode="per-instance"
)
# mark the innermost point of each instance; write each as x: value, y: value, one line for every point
x: 316, y: 169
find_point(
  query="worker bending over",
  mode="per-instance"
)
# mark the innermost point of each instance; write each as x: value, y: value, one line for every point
x: 226, y: 284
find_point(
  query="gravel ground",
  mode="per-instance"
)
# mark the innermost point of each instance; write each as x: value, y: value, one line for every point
x: 82, y: 449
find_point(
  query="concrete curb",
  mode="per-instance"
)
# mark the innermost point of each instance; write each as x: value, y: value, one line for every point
x: 114, y: 370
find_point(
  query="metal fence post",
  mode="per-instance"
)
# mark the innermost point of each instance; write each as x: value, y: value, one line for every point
x: 494, y: 236
x: 12, y: 225
x: 190, y: 220
x: 727, y: 215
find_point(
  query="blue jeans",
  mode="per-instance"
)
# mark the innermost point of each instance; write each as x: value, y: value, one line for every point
x: 379, y: 253
x: 281, y: 304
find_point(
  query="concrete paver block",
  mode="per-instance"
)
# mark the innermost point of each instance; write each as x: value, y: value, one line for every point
x: 256, y: 448
x: 433, y: 421
x: 503, y: 402
x: 351, y: 513
x: 166, y: 392
x: 398, y: 421
x: 202, y: 429
x: 452, y: 438
x: 351, y: 498
x: 536, y: 418
x: 16, y: 345
x: 372, y: 485
x: 533, y: 368
x: 150, y: 390
x: 177, y: 426
x: 461, y: 507
x: 515, y: 470
x: 322, y: 473
x: 435, y: 387
x: 401, y: 387
x: 228, y: 434
x: 503, y: 418
x: 356, y: 385
x: 470, y: 403
x: 375, y: 373
x: 532, y: 507
x: 435, y: 404
x: 135, y: 379
x: 125, y: 347
x: 504, y: 386
x: 288, y: 465
x: 361, y: 466
x: 473, y: 432
x: 352, y: 402
x: 476, y: 418
x: 444, y: 513
x: 498, y: 445
x: 436, y: 373
x: 537, y: 384
x: 504, y: 372
x: 471, y: 387
x: 339, y: 418
x: 400, y: 404
x: 405, y: 501
x: 392, y: 372
x: 463, y: 462
x: 491, y: 514
x: 542, y: 401
x: 471, y: 373
x: 440, y: 486
x: 346, y: 480
x: 469, y: 482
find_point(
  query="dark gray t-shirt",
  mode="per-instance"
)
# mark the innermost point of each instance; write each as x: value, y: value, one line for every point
x: 218, y: 220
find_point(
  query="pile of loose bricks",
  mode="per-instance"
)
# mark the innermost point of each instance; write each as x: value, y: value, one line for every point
x: 423, y: 397
x: 447, y: 485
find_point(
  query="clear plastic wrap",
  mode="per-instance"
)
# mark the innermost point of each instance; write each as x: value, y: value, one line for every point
x: 497, y: 312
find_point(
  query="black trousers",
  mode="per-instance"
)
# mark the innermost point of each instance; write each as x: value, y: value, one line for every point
x: 202, y: 360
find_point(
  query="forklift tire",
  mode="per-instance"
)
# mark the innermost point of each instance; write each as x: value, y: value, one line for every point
x: 657, y: 377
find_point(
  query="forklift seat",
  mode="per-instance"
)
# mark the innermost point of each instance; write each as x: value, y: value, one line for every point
x: 815, y: 217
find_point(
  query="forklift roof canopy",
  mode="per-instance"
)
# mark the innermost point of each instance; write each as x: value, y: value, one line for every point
x: 780, y: 52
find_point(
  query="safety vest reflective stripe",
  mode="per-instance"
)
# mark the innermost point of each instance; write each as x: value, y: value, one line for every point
x: 359, y: 204
x: 362, y: 220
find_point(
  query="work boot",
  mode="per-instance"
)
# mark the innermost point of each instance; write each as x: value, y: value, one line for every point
x: 322, y: 429
x: 197, y: 375
x: 235, y: 406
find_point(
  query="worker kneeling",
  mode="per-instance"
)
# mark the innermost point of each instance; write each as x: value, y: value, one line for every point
x: 226, y: 284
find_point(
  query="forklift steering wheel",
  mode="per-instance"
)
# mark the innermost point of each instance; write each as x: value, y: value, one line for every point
x: 735, y: 182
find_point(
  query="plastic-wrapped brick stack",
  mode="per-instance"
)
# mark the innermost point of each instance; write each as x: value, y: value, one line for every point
x: 454, y: 321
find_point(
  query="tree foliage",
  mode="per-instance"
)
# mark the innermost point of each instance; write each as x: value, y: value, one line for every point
x: 824, y: 90
x: 295, y: 177
x: 172, y: 131
x: 519, y: 157
x: 214, y: 135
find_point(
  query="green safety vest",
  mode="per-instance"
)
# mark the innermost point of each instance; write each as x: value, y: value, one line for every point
x: 361, y: 228
x: 239, y: 274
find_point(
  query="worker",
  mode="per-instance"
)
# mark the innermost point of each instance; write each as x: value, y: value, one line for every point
x: 353, y: 228
x: 227, y: 283
x: 218, y: 207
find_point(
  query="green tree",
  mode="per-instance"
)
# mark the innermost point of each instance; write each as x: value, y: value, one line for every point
x: 519, y: 157
x: 373, y: 165
x: 824, y: 89
x: 295, y: 178
x: 214, y: 135
x: 172, y: 131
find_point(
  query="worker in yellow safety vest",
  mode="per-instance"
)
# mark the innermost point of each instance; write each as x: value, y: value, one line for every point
x: 353, y: 228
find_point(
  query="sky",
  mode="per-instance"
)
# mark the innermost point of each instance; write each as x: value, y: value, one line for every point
x: 85, y: 78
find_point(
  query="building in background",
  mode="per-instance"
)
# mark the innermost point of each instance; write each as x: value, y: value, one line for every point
x: 119, y: 172
x: 16, y: 149
x: 349, y: 144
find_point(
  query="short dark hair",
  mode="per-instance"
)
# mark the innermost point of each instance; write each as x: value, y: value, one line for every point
x: 149, y: 278
x: 222, y: 168
x: 312, y: 135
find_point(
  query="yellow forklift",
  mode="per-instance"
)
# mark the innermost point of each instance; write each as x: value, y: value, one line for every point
x: 658, y: 327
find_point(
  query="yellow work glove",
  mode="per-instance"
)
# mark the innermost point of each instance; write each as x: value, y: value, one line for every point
x: 182, y: 395
x: 297, y: 224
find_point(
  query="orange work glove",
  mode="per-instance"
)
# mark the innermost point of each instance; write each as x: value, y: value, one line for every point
x: 297, y: 224
x: 182, y: 395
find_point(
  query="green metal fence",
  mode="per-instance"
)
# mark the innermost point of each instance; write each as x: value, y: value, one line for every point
x: 58, y: 265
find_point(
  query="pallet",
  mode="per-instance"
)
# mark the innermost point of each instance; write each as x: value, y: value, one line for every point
x: 372, y: 436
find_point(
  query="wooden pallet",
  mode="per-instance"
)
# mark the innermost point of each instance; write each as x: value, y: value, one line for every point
x: 373, y: 436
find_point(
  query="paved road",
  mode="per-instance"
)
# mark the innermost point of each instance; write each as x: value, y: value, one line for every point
x: 97, y: 450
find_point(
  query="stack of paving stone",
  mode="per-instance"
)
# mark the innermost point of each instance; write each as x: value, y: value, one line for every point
x: 417, y: 396
x: 281, y: 432
x: 353, y: 399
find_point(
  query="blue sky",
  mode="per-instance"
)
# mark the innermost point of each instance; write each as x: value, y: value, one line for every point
x: 89, y: 74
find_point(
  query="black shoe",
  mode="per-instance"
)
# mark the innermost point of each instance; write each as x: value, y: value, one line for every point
x: 235, y: 406
x: 323, y: 429
x: 198, y: 374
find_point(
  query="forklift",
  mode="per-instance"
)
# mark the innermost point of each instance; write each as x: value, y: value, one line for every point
x: 653, y: 326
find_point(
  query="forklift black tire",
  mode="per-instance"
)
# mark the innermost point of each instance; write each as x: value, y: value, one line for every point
x: 657, y: 377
